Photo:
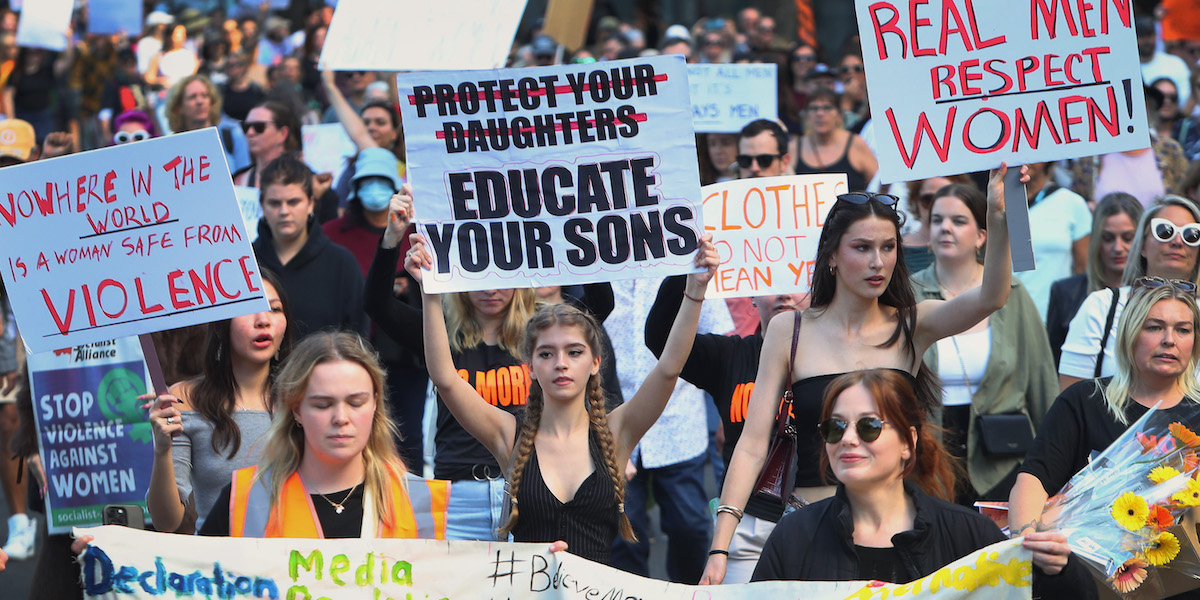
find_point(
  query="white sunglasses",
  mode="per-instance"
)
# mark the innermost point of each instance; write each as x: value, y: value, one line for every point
x: 124, y: 137
x: 1164, y: 231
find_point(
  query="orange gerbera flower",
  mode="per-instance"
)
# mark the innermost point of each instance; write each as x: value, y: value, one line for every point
x: 1185, y: 436
x: 1190, y: 461
x: 1160, y: 517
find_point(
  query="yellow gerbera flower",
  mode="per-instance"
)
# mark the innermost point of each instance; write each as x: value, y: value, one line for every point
x: 1161, y: 474
x: 1130, y: 511
x: 1162, y: 549
x: 1190, y: 495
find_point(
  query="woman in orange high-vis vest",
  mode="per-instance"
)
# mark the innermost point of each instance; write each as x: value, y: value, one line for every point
x: 329, y: 466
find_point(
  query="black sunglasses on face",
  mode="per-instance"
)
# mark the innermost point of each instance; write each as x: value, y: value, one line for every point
x: 257, y: 126
x: 764, y: 160
x: 865, y: 197
x: 868, y: 429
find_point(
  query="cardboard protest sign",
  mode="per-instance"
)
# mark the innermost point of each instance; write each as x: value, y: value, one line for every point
x: 115, y: 16
x: 130, y: 239
x: 961, y: 85
x: 553, y: 175
x: 725, y: 97
x: 420, y: 36
x: 567, y: 22
x: 43, y: 24
x: 327, y: 147
x: 94, y: 440
x: 117, y: 563
x: 766, y: 231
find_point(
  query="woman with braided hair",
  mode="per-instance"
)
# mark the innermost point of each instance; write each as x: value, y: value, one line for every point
x: 565, y: 455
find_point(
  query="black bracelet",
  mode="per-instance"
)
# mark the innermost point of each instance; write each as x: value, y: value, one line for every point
x: 724, y: 552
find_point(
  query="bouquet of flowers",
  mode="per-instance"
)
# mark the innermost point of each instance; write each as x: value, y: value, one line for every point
x: 1122, y: 512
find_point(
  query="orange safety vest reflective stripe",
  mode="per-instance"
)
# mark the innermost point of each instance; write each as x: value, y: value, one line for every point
x: 419, y: 513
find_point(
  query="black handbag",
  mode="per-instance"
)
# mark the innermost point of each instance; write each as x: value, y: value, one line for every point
x: 1005, y: 435
x: 777, y: 477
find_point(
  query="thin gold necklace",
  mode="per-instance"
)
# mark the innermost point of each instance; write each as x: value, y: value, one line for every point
x: 338, y: 507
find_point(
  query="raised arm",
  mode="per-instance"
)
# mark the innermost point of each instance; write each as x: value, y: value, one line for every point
x: 398, y: 319
x: 493, y: 427
x: 751, y: 450
x: 162, y: 498
x: 631, y: 420
x: 350, y: 119
x: 937, y: 319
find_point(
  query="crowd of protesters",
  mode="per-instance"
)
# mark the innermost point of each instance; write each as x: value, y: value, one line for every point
x: 912, y: 292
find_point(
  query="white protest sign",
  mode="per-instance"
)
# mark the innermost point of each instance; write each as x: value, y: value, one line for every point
x: 251, y: 208
x: 43, y: 24
x: 117, y: 563
x: 417, y: 35
x: 130, y: 239
x: 115, y: 16
x: 962, y: 85
x: 766, y: 231
x: 95, y: 443
x: 553, y: 175
x: 726, y: 96
x: 327, y: 147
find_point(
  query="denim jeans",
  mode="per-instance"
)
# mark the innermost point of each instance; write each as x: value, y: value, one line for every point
x: 476, y: 509
x: 683, y: 508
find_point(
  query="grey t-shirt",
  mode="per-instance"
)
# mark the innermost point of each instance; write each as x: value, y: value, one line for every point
x: 203, y: 473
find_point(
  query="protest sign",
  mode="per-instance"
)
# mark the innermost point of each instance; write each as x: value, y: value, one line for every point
x: 553, y: 175
x: 130, y: 239
x: 94, y: 440
x: 44, y: 23
x: 725, y: 97
x: 327, y: 147
x: 198, y: 566
x: 419, y: 35
x: 961, y: 85
x: 115, y: 16
x: 251, y: 209
x: 567, y: 22
x: 766, y: 231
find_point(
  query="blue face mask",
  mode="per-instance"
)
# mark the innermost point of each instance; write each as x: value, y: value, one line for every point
x: 375, y: 193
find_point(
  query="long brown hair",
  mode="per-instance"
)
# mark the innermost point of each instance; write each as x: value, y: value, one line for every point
x: 566, y: 316
x: 930, y: 467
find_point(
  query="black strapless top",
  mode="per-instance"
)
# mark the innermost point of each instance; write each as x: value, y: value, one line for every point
x: 807, y: 395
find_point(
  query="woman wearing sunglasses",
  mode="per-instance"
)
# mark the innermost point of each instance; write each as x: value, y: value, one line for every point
x: 1166, y: 245
x: 133, y: 126
x: 271, y: 130
x: 889, y: 520
x: 1156, y: 363
x: 863, y: 315
x: 827, y: 147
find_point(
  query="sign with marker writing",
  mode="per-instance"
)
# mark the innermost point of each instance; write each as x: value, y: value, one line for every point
x: 327, y: 147
x: 117, y: 564
x: 766, y: 231
x: 553, y: 175
x: 94, y: 440
x: 130, y: 239
x: 963, y: 85
x: 420, y: 36
x: 726, y: 96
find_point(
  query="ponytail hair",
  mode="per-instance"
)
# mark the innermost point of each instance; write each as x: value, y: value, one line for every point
x: 931, y: 467
x: 567, y: 316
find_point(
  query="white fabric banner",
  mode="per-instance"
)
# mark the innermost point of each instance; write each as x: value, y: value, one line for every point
x: 553, y: 175
x: 128, y: 563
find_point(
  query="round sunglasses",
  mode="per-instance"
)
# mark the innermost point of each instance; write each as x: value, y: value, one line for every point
x: 868, y: 429
x: 1164, y: 231
x: 125, y: 137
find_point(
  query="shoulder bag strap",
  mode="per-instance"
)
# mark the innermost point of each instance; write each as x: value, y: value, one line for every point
x: 1108, y: 323
x: 784, y: 420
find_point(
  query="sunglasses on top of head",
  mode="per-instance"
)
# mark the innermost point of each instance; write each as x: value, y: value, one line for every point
x: 865, y: 197
x: 1151, y: 282
x: 868, y: 429
x: 1164, y: 231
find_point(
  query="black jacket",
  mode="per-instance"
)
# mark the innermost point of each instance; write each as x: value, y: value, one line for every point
x: 1066, y: 296
x: 323, y: 282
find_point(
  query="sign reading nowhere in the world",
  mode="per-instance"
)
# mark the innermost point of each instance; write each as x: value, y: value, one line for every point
x: 119, y: 565
x: 131, y: 239
x: 553, y: 175
x: 963, y: 85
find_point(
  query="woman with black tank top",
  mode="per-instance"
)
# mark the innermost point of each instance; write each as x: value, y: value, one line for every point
x: 827, y: 147
x: 862, y: 315
x: 564, y: 454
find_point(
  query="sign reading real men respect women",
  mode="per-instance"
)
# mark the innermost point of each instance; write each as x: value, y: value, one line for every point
x: 126, y: 240
x: 961, y: 85
x: 554, y: 175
